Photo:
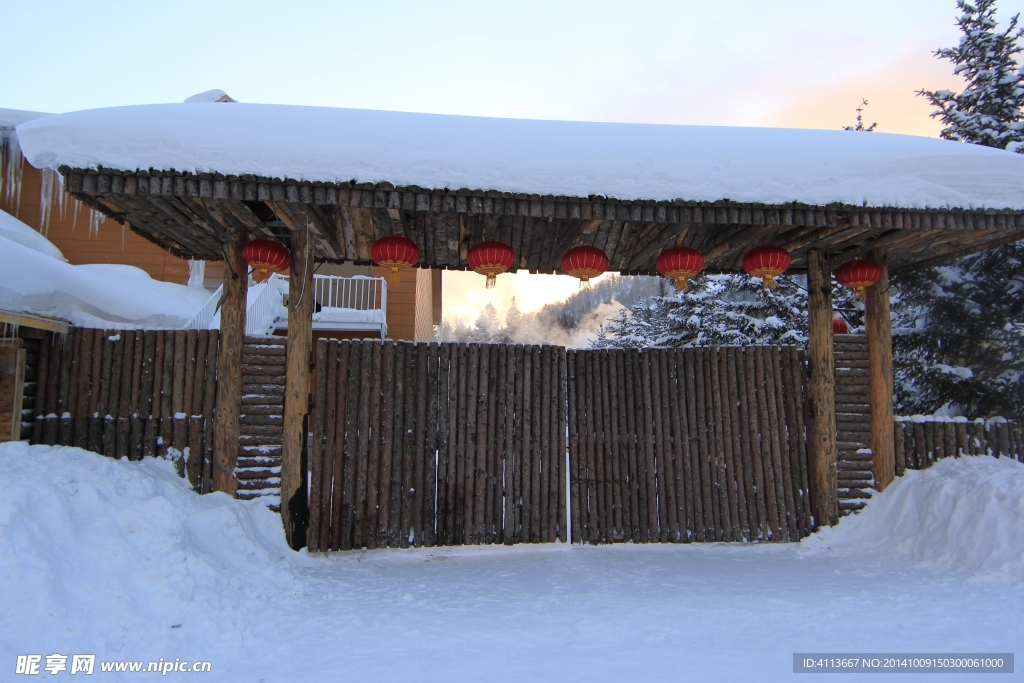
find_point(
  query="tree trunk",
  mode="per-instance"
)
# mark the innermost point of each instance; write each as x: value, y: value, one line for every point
x: 229, y: 364
x: 822, y: 432
x: 294, y: 505
x: 879, y: 330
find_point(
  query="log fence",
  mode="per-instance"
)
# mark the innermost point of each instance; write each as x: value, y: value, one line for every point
x: 130, y: 393
x: 923, y: 440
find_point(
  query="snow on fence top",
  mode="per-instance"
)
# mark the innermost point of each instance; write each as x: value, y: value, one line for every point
x: 579, y: 159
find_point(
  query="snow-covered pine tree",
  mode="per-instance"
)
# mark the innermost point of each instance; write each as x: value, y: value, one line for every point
x: 513, y: 322
x: 988, y: 110
x: 956, y: 336
x: 859, y: 126
x: 487, y: 327
x: 723, y: 310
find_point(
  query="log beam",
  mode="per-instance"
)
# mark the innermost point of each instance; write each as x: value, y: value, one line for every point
x: 294, y: 506
x: 821, y: 351
x: 879, y: 331
x: 229, y: 363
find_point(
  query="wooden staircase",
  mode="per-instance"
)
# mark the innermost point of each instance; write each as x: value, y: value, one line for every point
x: 853, y: 422
x: 261, y: 424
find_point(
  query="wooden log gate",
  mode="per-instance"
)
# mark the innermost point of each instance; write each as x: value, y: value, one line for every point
x: 451, y: 444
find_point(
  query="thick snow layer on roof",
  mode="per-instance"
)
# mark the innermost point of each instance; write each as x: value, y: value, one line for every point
x: 9, y: 118
x: 92, y: 295
x: 16, y: 231
x: 628, y: 161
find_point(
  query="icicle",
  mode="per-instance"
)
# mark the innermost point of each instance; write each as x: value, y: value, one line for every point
x: 196, y: 273
x: 95, y: 218
x: 62, y: 197
x: 76, y: 205
x: 12, y: 163
x: 46, y: 185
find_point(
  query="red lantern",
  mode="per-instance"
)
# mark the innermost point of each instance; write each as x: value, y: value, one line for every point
x: 839, y: 326
x: 266, y: 257
x: 766, y: 262
x: 584, y: 263
x: 395, y: 253
x: 490, y: 259
x: 858, y: 274
x: 680, y: 263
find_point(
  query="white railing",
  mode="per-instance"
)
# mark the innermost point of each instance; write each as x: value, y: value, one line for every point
x: 204, y: 319
x: 350, y: 303
x: 266, y: 307
x: 340, y: 303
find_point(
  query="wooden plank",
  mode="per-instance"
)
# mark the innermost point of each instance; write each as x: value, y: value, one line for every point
x: 741, y: 446
x: 167, y: 393
x: 601, y: 473
x: 536, y: 431
x: 653, y: 530
x: 442, y: 505
x: 332, y: 448
x: 351, y: 447
x: 707, y: 491
x: 212, y: 374
x: 409, y: 454
x: 362, y: 446
x: 491, y: 454
x: 780, y: 437
x: 373, y: 486
x: 615, y: 416
x: 593, y: 512
x: 574, y: 446
x: 419, y: 485
x: 729, y: 431
x: 338, y: 463
x: 544, y: 509
x: 561, y: 446
x: 681, y: 435
x: 451, y: 506
x: 672, y: 479
x: 428, y: 518
x: 42, y: 369
x: 500, y: 415
x: 508, y: 360
x: 661, y: 472
x: 148, y: 378
x: 527, y: 447
x: 788, y: 393
x: 316, y: 451
x: 764, y: 532
x: 719, y: 473
x: 469, y: 473
x: 622, y: 445
x: 385, y: 428
x: 518, y: 363
x: 774, y: 498
x: 458, y: 487
x: 481, y: 359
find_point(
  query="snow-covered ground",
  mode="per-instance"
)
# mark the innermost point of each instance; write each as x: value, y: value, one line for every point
x: 123, y: 561
x: 575, y: 158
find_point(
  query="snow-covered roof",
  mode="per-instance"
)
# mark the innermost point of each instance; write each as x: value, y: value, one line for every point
x: 579, y: 159
x: 9, y: 118
x: 37, y: 281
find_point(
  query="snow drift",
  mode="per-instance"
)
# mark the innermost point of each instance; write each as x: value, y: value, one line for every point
x: 962, y: 514
x: 629, y: 161
x: 91, y: 545
x: 37, y: 280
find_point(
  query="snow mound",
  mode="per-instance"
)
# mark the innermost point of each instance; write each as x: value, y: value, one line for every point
x: 16, y: 231
x: 962, y: 514
x: 90, y: 295
x: 574, y: 158
x: 94, y: 549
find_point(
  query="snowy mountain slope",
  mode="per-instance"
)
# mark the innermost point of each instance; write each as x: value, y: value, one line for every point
x: 629, y: 161
x: 122, y: 560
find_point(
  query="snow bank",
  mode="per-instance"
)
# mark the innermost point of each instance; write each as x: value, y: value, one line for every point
x: 962, y: 514
x: 629, y: 161
x: 9, y: 118
x: 93, y: 549
x: 16, y: 231
x: 89, y: 295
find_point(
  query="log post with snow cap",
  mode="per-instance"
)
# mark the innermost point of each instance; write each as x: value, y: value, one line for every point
x: 878, y: 325
x: 821, y: 437
x: 229, y: 363
x: 294, y: 504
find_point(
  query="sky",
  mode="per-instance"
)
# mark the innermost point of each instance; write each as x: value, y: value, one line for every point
x: 787, y: 63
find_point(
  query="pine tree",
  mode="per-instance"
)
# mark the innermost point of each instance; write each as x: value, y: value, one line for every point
x: 722, y: 310
x: 957, y: 329
x: 988, y: 110
x: 513, y: 321
x: 859, y: 126
x: 487, y: 327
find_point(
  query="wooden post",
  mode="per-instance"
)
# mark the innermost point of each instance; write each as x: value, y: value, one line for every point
x: 879, y: 330
x: 294, y: 506
x: 822, y: 432
x: 229, y: 364
x: 12, y: 384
